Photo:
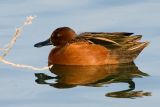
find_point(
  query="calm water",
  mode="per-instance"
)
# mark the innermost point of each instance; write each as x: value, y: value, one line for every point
x: 134, y: 84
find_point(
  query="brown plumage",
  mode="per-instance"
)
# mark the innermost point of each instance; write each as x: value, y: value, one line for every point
x: 92, y: 48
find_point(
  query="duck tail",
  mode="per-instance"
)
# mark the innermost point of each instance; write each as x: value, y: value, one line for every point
x: 135, y: 50
x: 138, y: 47
x: 131, y: 53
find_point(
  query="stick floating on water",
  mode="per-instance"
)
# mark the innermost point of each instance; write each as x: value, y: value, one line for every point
x: 11, y: 43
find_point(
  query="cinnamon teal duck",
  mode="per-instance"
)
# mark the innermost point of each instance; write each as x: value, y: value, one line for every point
x: 92, y: 48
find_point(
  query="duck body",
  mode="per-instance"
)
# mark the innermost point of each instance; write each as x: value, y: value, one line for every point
x: 80, y: 53
x: 92, y: 48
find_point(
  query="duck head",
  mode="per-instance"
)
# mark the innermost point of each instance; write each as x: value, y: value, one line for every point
x: 59, y: 37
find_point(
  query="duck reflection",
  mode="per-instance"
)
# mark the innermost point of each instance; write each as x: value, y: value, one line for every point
x: 96, y: 76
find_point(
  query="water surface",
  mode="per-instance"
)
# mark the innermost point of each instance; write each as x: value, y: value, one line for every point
x: 22, y: 88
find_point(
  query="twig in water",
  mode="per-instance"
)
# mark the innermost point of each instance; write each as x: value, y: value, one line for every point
x: 9, y: 46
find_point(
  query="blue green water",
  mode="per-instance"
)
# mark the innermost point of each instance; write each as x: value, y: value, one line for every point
x: 19, y: 87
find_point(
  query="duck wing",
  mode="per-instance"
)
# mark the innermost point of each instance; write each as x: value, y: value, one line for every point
x: 110, y: 40
x: 123, y: 46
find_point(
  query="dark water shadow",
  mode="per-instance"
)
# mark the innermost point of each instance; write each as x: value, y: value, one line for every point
x: 96, y: 76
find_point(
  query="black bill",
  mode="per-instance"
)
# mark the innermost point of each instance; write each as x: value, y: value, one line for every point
x: 44, y: 43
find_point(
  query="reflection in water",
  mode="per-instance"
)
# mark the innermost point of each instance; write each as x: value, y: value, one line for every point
x: 128, y: 94
x: 96, y: 76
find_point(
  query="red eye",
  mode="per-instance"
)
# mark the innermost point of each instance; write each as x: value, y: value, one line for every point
x: 58, y: 35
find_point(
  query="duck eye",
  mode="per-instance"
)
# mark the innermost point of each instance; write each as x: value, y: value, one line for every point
x: 58, y: 35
